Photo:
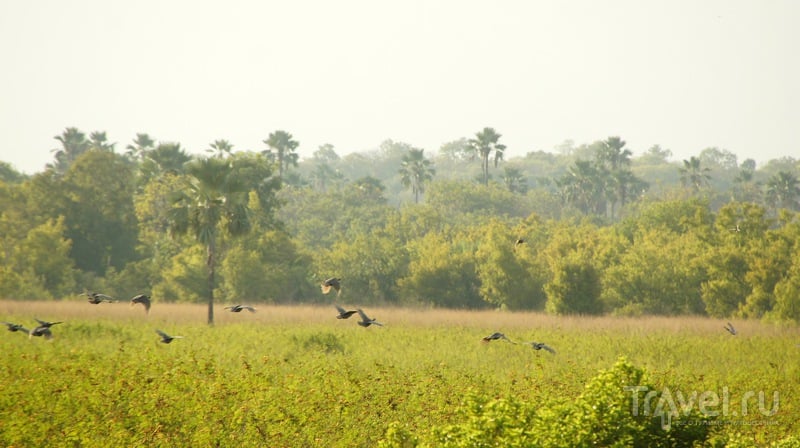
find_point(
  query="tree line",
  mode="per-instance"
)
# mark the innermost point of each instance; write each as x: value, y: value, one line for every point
x: 588, y: 229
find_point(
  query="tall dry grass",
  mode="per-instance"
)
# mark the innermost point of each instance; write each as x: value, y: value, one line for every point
x: 488, y: 320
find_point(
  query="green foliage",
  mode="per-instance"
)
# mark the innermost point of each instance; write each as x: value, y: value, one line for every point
x: 184, y: 279
x: 440, y: 274
x: 264, y: 267
x: 606, y: 414
x: 39, y: 265
x: 575, y: 287
x: 659, y: 274
x: 289, y: 376
x: 369, y: 266
x: 507, y: 280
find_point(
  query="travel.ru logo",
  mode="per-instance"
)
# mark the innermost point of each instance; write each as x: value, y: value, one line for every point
x: 668, y: 405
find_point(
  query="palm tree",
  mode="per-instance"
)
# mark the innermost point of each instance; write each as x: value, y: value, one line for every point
x: 613, y: 155
x: 783, y: 190
x: 281, y: 150
x: 212, y: 197
x: 483, y: 144
x: 514, y: 180
x: 694, y: 175
x: 99, y: 142
x: 220, y: 148
x: 415, y: 171
x: 745, y: 187
x: 584, y: 186
x: 73, y: 144
x: 167, y: 157
x: 323, y: 175
x: 141, y: 144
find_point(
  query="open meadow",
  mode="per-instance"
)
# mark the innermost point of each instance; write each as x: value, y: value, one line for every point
x: 295, y: 376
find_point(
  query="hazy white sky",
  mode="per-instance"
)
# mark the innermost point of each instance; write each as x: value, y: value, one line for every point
x: 684, y: 74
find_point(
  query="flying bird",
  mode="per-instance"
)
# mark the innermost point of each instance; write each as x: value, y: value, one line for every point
x: 366, y: 321
x: 45, y: 324
x: 144, y: 300
x: 735, y: 229
x: 518, y: 242
x: 542, y: 346
x: 15, y: 327
x: 343, y: 313
x: 497, y: 336
x: 165, y: 338
x: 239, y: 308
x: 729, y: 328
x: 332, y: 282
x: 41, y: 330
x: 96, y: 298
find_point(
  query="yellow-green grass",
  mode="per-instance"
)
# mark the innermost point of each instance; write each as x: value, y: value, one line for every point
x: 297, y: 376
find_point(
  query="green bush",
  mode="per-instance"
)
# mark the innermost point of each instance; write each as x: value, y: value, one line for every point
x: 605, y: 414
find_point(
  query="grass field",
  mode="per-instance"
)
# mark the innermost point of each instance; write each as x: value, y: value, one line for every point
x: 297, y: 376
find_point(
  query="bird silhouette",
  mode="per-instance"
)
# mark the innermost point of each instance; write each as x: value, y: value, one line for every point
x: 165, y: 338
x: 96, y: 298
x: 46, y: 324
x: 729, y: 328
x: 15, y: 327
x: 366, y: 321
x: 239, y: 308
x: 518, y: 242
x: 332, y: 283
x: 496, y: 337
x: 41, y: 330
x: 542, y: 346
x: 144, y: 300
x: 343, y: 313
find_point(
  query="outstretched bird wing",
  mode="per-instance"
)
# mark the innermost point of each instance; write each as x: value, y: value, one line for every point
x: 106, y: 298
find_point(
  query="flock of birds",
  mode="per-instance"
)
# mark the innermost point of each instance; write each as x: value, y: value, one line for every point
x: 335, y: 284
x: 43, y: 329
x: 330, y: 284
x: 497, y: 336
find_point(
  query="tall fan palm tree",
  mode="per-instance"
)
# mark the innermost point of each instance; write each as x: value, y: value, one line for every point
x: 514, y: 180
x: 220, y: 148
x: 212, y: 200
x: 783, y: 191
x: 73, y: 144
x: 416, y: 171
x: 99, y: 141
x: 141, y: 144
x: 281, y: 150
x: 484, y: 143
x: 694, y: 175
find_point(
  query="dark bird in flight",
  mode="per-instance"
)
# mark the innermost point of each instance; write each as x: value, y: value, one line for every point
x: 15, y: 327
x: 518, y: 242
x: 729, y: 328
x: 239, y: 308
x: 366, y: 321
x: 144, y: 300
x: 496, y: 337
x: 45, y: 324
x: 95, y: 298
x: 332, y: 282
x: 343, y: 313
x: 542, y: 346
x: 41, y: 330
x: 165, y: 338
